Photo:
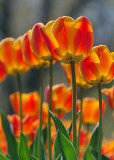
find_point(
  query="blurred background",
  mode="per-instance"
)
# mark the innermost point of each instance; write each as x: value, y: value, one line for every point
x: 18, y: 16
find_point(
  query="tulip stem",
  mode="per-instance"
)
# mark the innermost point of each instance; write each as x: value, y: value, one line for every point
x: 80, y: 121
x: 20, y: 99
x: 100, y: 122
x: 40, y: 116
x: 50, y: 104
x: 72, y: 63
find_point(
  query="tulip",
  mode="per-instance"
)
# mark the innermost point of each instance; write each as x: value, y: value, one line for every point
x: 39, y: 47
x: 97, y: 69
x: 28, y: 54
x: 61, y: 98
x: 30, y: 103
x: 110, y: 95
x: 90, y: 110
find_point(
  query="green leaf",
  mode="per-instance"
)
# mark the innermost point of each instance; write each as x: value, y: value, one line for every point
x: 33, y: 158
x: 12, y: 144
x: 2, y: 157
x: 95, y: 154
x: 88, y: 155
x: 57, y: 148
x: 35, y: 147
x: 59, y: 157
x: 67, y: 147
x: 59, y: 125
x: 23, y: 149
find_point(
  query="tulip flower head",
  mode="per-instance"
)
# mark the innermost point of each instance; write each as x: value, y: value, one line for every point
x: 37, y: 42
x: 28, y: 54
x: 110, y: 95
x: 30, y: 103
x: 90, y: 110
x: 96, y: 68
x: 11, y: 56
x: 69, y: 40
x: 61, y: 98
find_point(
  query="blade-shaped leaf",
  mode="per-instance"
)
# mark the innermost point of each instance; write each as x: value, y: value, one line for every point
x: 59, y: 125
x: 33, y: 158
x: 59, y: 157
x: 12, y: 144
x: 35, y: 147
x: 95, y: 154
x: 2, y: 157
x: 23, y: 149
x: 88, y: 155
x: 67, y: 147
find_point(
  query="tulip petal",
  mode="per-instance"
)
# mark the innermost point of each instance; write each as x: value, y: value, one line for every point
x: 90, y: 68
x: 81, y: 40
x: 3, y: 72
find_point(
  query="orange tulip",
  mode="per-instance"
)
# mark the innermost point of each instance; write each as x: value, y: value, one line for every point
x: 110, y: 94
x: 108, y: 149
x: 29, y: 55
x: 80, y: 82
x: 69, y: 40
x: 3, y: 142
x: 96, y: 68
x: 30, y: 103
x: 37, y: 42
x: 27, y: 122
x: 90, y: 110
x: 3, y: 72
x: 61, y: 98
x: 11, y: 56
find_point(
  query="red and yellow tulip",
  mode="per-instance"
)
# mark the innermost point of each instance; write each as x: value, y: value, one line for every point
x: 30, y: 103
x: 69, y: 40
x: 90, y: 110
x: 97, y: 67
x: 110, y: 94
x: 61, y: 98
x: 11, y: 56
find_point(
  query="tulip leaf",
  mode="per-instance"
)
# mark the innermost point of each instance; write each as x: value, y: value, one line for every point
x: 45, y: 135
x: 2, y: 157
x: 12, y: 144
x: 95, y: 154
x: 23, y: 149
x: 59, y: 125
x: 33, y: 158
x: 92, y: 149
x: 35, y: 147
x: 64, y: 147
x: 59, y: 157
x: 67, y: 147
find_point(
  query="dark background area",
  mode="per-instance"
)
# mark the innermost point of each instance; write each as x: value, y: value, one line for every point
x: 18, y: 16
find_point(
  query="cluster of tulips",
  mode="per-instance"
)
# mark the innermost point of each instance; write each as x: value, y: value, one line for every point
x: 38, y: 130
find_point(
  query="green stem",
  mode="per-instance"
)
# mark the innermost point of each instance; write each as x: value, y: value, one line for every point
x: 50, y: 104
x: 100, y: 122
x: 80, y: 120
x: 20, y: 99
x: 40, y: 116
x: 72, y: 63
